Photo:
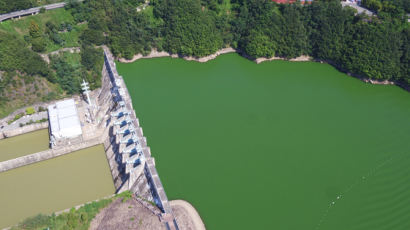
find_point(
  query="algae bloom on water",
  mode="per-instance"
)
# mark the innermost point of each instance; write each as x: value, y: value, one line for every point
x: 278, y: 145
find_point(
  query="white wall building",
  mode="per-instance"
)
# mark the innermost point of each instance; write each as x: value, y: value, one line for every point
x: 64, y: 120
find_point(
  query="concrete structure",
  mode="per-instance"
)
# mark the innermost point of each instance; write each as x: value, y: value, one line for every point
x: 85, y: 87
x: 8, y: 129
x: 45, y: 155
x: 15, y: 130
x: 127, y: 148
x: 64, y: 122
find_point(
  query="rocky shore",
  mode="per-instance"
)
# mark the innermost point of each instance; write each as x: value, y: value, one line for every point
x: 378, y: 82
x: 156, y: 54
x: 300, y: 58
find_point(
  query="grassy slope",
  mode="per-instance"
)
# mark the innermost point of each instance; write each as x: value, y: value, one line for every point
x: 25, y: 91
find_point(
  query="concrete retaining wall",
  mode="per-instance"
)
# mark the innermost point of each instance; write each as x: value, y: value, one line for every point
x: 23, y: 130
x: 45, y: 155
x: 4, y: 120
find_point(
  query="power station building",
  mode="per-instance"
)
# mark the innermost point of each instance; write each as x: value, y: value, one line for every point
x: 64, y: 123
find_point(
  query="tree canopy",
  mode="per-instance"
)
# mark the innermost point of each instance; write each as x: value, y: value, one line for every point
x: 373, y: 47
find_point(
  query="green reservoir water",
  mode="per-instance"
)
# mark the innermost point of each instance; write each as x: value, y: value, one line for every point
x: 272, y: 146
x: 25, y: 144
x: 54, y: 185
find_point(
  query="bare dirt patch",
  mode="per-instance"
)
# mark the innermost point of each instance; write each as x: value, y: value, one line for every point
x: 126, y: 215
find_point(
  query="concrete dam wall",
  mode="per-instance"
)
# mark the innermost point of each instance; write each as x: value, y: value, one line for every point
x: 131, y: 163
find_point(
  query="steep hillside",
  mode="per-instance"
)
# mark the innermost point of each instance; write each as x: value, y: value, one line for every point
x: 33, y: 66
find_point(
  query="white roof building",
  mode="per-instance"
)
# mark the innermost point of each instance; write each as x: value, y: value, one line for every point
x: 64, y: 120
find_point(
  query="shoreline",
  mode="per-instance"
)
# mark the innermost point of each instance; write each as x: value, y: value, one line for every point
x: 156, y: 54
x: 297, y: 59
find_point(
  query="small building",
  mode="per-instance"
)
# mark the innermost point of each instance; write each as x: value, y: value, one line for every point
x: 64, y: 123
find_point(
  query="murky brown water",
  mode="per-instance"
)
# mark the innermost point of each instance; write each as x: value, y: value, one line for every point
x: 24, y: 144
x: 54, y: 185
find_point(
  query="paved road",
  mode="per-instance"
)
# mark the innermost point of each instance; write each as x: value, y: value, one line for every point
x: 31, y: 11
x: 358, y: 8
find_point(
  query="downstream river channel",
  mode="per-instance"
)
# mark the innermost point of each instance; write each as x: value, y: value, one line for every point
x: 279, y: 145
x: 54, y: 184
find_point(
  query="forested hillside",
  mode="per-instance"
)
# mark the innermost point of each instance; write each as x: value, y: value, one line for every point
x: 26, y: 77
x: 373, y: 47
x: 393, y: 7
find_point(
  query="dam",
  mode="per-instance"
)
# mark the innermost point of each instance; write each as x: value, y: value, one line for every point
x: 130, y: 158
x: 107, y: 119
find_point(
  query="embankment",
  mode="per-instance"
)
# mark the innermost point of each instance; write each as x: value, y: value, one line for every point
x: 23, y: 130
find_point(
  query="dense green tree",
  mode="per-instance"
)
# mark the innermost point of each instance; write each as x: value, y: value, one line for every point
x: 329, y: 23
x: 189, y: 29
x: 263, y: 20
x: 14, y: 55
x: 374, y: 47
x: 294, y: 40
x: 405, y: 58
x: 92, y: 59
x: 368, y: 54
x: 34, y: 30
x: 14, y: 5
x: 90, y: 56
x: 394, y: 8
x: 67, y: 75
x: 257, y: 44
x: 38, y: 44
